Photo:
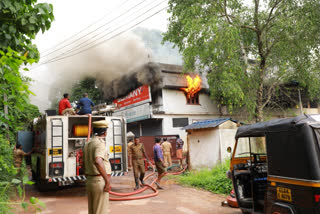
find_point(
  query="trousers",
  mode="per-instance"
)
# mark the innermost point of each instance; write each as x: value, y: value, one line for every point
x: 138, y: 167
x: 98, y: 200
x: 167, y: 158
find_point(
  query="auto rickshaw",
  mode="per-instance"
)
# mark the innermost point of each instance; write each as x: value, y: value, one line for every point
x: 275, y: 166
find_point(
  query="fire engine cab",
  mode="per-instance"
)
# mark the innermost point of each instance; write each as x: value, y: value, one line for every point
x: 57, y: 157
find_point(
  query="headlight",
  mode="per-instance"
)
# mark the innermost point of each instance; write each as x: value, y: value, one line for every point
x: 228, y: 174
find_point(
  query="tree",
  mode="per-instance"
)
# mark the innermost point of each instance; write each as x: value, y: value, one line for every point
x: 20, y: 21
x: 87, y: 85
x: 249, y: 49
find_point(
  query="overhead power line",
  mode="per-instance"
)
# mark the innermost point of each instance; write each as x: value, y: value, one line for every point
x: 85, y: 28
x: 74, y: 41
x: 83, y: 44
x: 95, y: 45
x: 110, y: 37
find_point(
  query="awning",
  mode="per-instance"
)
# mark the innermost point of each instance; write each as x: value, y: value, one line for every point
x: 207, y: 123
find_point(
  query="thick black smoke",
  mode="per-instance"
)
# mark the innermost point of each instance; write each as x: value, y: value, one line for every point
x: 147, y: 74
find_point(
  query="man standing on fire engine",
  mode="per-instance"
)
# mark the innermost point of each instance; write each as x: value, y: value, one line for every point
x: 137, y: 153
x: 97, y: 166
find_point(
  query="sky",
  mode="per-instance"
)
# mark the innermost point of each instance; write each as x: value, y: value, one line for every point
x: 73, y: 16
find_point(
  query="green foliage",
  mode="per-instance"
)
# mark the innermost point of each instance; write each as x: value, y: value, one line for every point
x: 214, y: 180
x: 87, y: 85
x: 249, y: 48
x: 10, y: 184
x: 20, y: 21
x: 15, y: 87
x: 7, y: 171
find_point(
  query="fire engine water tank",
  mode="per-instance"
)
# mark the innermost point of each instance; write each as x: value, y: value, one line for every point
x: 80, y: 130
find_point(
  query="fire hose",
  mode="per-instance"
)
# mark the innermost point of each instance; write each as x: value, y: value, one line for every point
x: 146, y: 186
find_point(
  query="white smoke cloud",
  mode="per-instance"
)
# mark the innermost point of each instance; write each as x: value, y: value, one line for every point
x: 106, y: 62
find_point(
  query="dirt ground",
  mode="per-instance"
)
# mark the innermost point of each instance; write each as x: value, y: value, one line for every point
x: 174, y: 199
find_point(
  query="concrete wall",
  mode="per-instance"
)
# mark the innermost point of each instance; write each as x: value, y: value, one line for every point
x: 174, y: 102
x: 204, y: 148
x: 209, y: 146
x: 227, y: 138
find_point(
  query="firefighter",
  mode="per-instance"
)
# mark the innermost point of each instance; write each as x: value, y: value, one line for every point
x: 129, y: 155
x: 167, y: 152
x: 137, y: 152
x: 18, y: 155
x: 179, y: 150
x: 97, y: 168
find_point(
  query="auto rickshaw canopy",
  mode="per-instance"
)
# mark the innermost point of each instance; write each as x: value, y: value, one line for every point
x: 292, y: 145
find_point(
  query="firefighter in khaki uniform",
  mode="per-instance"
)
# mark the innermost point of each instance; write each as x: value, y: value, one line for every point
x: 97, y: 166
x: 18, y: 155
x: 129, y: 155
x: 167, y: 152
x: 137, y: 153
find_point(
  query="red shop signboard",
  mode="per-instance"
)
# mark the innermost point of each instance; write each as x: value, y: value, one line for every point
x: 139, y: 95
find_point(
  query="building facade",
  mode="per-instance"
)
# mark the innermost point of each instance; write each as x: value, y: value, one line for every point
x: 165, y: 108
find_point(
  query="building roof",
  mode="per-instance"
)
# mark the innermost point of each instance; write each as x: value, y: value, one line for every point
x: 207, y: 123
x: 174, y: 78
x: 278, y: 125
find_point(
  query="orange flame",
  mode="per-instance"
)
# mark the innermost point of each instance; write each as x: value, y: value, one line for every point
x: 194, y: 85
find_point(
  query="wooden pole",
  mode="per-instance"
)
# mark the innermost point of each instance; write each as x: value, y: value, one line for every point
x: 188, y: 152
x: 300, y: 102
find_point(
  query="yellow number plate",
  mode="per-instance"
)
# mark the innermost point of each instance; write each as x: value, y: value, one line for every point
x: 117, y: 149
x: 284, y: 194
x: 55, y: 151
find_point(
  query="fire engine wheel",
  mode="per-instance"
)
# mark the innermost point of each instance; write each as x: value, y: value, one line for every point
x: 43, y: 185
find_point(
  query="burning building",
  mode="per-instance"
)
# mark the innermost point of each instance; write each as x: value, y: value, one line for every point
x: 164, y: 104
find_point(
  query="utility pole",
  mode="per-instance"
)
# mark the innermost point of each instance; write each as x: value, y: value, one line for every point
x: 300, y: 103
x: 6, y: 112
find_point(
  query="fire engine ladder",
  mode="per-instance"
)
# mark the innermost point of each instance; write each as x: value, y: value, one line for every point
x: 56, y: 138
x: 117, y: 124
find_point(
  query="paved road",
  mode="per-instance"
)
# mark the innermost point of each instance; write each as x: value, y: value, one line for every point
x: 175, y: 199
